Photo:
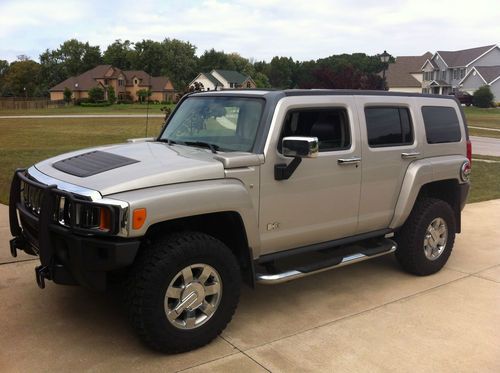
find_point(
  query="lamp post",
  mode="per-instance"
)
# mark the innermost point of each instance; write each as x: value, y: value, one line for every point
x: 384, y: 57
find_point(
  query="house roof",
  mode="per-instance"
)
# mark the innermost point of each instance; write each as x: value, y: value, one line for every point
x: 399, y: 73
x: 213, y: 79
x: 88, y: 80
x: 85, y: 81
x: 489, y: 73
x: 232, y: 76
x: 463, y: 57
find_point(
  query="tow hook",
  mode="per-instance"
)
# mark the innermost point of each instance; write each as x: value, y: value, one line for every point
x: 42, y: 273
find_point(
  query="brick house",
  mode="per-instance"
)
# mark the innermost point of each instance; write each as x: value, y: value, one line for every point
x: 126, y: 83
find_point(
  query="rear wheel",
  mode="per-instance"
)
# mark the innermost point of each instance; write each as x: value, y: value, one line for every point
x: 426, y: 240
x: 184, y: 289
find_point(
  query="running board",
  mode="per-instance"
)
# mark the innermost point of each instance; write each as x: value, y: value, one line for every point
x: 388, y: 247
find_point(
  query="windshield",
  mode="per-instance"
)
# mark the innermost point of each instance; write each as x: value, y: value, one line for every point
x: 227, y: 123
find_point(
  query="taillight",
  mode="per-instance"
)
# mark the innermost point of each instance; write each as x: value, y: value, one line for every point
x: 469, y: 152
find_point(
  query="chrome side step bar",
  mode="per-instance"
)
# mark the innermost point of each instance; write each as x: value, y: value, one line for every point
x: 278, y: 278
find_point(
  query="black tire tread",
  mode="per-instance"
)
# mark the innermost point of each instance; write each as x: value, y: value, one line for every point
x: 161, y: 253
x: 410, y: 251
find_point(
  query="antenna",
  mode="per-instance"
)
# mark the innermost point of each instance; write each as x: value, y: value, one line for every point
x: 147, y: 105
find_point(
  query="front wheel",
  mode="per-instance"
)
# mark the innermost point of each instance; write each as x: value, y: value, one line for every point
x: 426, y: 240
x: 184, y: 289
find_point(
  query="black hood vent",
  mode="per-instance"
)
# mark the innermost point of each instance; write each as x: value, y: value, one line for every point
x: 92, y: 163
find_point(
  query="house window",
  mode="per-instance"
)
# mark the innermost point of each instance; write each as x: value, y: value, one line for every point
x: 456, y: 74
x: 136, y: 81
x: 249, y: 85
x: 462, y: 73
x: 121, y: 82
x: 443, y: 75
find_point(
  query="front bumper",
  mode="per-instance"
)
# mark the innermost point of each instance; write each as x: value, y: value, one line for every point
x: 67, y: 256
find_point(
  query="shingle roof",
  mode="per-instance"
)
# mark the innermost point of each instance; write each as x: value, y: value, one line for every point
x: 489, y: 73
x: 399, y: 73
x: 232, y: 76
x: 463, y: 57
x: 85, y: 81
x: 213, y: 79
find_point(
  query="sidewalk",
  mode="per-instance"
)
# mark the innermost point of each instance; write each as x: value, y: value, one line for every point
x: 365, y: 317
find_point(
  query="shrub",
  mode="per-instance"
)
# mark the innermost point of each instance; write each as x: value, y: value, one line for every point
x: 67, y: 95
x: 80, y: 101
x: 111, y: 95
x: 125, y: 101
x: 483, y: 97
x: 95, y: 104
x: 96, y: 94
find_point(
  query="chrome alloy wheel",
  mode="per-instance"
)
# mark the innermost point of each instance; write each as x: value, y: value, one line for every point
x: 193, y: 296
x: 435, y: 239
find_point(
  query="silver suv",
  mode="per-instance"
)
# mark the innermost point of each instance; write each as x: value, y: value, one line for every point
x: 247, y: 185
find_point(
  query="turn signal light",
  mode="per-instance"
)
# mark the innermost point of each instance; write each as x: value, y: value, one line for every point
x: 105, y: 219
x: 138, y: 218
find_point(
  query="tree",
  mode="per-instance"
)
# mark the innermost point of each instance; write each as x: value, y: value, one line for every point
x: 148, y: 56
x: 111, y: 95
x: 483, y: 97
x: 143, y: 94
x: 281, y: 71
x: 261, y: 80
x: 96, y: 94
x: 119, y: 54
x: 179, y: 62
x: 212, y: 59
x: 67, y: 95
x: 4, y: 67
x: 22, y: 78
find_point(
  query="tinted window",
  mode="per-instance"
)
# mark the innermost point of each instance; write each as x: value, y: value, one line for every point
x: 330, y: 126
x: 441, y: 124
x: 388, y: 126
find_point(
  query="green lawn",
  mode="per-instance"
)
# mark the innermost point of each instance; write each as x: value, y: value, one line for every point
x: 71, y: 109
x: 487, y: 118
x: 485, y: 180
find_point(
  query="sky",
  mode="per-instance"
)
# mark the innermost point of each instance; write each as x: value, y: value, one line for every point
x: 257, y: 29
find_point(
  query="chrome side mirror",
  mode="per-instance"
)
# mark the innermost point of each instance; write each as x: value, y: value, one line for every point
x: 302, y: 147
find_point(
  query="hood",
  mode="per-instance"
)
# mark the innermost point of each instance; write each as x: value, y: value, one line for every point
x: 134, y: 166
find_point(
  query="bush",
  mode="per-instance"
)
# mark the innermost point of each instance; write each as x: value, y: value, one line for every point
x: 95, y: 104
x: 96, y: 94
x: 483, y: 97
x: 125, y: 101
x: 67, y: 95
x: 111, y: 95
x: 80, y: 101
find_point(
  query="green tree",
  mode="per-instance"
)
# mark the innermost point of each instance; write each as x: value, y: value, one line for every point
x: 179, y: 62
x: 111, y: 95
x: 96, y: 94
x: 212, y: 59
x: 67, y: 95
x: 4, y: 67
x: 261, y: 80
x: 119, y: 54
x: 281, y: 71
x: 143, y: 94
x: 22, y: 78
x: 483, y: 97
x: 70, y: 59
x: 149, y: 56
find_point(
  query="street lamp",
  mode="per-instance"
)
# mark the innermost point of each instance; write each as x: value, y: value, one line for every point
x: 384, y: 57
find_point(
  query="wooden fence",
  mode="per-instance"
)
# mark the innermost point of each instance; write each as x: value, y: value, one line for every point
x: 22, y: 103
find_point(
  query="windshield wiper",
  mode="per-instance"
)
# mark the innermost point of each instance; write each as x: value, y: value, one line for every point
x: 168, y: 141
x: 203, y: 144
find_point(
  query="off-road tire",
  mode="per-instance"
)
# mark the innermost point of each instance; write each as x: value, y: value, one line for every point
x: 410, y: 252
x: 157, y: 264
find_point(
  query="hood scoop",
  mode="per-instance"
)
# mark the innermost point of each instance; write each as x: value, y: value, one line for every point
x: 92, y: 163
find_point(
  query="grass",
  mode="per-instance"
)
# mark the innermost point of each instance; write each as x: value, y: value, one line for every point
x: 485, y: 181
x: 27, y: 141
x: 486, y: 118
x: 484, y: 133
x: 113, y: 109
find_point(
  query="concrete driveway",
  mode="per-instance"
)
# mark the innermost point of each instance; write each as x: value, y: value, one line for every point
x: 366, y: 317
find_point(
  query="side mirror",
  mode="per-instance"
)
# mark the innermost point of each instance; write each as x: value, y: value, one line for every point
x: 302, y: 147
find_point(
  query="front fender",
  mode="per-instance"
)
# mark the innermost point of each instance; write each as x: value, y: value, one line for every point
x: 182, y: 200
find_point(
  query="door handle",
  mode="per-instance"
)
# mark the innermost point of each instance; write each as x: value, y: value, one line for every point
x: 354, y: 160
x: 410, y: 155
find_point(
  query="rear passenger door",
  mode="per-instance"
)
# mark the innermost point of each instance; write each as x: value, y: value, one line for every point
x: 389, y: 145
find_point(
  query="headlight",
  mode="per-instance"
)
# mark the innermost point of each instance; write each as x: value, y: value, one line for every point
x: 87, y: 215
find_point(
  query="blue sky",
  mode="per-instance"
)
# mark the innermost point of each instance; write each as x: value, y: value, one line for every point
x: 258, y: 29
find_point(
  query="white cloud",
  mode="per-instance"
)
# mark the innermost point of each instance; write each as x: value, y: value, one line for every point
x: 254, y: 28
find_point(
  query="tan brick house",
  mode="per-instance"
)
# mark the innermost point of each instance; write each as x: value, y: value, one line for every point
x: 126, y: 83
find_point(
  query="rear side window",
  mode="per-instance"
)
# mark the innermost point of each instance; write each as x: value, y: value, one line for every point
x: 330, y: 126
x: 388, y: 126
x: 441, y: 124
